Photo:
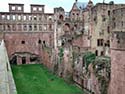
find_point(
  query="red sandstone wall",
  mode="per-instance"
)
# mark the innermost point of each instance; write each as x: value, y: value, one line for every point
x: 13, y: 42
x: 117, y: 85
x: 82, y: 42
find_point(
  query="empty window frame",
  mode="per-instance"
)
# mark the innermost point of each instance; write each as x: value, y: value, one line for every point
x: 40, y: 27
x: 8, y: 27
x: 3, y: 17
x: 13, y: 7
x: 19, y: 27
x: 35, y: 27
x: 45, y: 27
x: 30, y: 27
x: 40, y: 9
x: 8, y: 17
x: 30, y: 17
x: 34, y: 8
x: 100, y: 42
x: 24, y: 17
x: 14, y: 27
x: 22, y: 42
x: 35, y: 18
x: 25, y: 27
x: 19, y: 17
x: 19, y: 8
x: 14, y: 17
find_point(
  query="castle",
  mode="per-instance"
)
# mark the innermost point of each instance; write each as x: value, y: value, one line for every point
x: 59, y: 39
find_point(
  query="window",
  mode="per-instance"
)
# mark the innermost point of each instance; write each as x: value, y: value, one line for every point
x: 96, y: 52
x: 34, y: 9
x: 19, y: 17
x: 40, y: 27
x: 30, y: 27
x: 19, y: 8
x: 19, y: 27
x: 50, y: 27
x: 13, y: 8
x: 8, y: 17
x: 102, y: 53
x: 24, y: 27
x: 109, y: 13
x: 3, y: 17
x: 8, y: 27
x: 108, y: 29
x: 114, y: 25
x: 35, y: 18
x: 24, y: 17
x: 73, y: 13
x: 45, y: 28
x: 39, y: 41
x: 40, y: 9
x: 30, y: 17
x: 100, y: 42
x: 14, y: 27
x: 122, y: 23
x: 14, y: 17
x: 50, y: 17
x: 35, y: 27
x: 22, y: 42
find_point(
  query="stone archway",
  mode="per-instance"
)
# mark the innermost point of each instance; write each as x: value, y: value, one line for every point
x: 24, y: 58
x: 61, y: 17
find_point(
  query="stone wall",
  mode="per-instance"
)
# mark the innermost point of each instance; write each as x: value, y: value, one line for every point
x: 28, y: 42
x: 117, y: 84
x: 7, y: 84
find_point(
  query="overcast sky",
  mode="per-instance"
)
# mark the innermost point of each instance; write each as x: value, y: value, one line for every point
x: 49, y: 4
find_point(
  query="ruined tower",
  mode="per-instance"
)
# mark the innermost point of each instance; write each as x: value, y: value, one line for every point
x: 117, y: 85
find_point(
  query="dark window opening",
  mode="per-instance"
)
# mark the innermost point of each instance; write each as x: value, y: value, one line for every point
x: 108, y: 29
x: 14, y: 60
x: 23, y: 60
x: 39, y: 41
x: 109, y: 13
x: 44, y: 42
x: 122, y: 23
x: 102, y: 53
x: 50, y: 27
x: 32, y: 59
x: 30, y: 27
x: 23, y: 42
x: 35, y: 27
x: 61, y: 17
x: 114, y: 24
x: 96, y: 52
x: 100, y: 42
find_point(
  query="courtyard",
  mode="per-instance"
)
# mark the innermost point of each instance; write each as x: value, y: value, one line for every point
x: 36, y: 79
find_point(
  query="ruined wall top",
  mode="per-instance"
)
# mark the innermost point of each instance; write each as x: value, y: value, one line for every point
x: 118, y: 41
x: 18, y: 8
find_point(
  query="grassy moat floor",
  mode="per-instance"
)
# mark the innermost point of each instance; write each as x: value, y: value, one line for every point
x: 36, y: 79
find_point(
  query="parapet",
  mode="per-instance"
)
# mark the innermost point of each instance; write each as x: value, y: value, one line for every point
x: 18, y: 8
x: 35, y: 8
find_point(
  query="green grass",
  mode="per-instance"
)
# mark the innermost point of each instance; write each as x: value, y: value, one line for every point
x: 35, y: 79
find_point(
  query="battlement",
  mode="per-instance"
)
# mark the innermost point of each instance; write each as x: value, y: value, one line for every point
x: 118, y: 41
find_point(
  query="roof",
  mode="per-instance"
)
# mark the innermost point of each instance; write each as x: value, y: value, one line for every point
x: 81, y: 5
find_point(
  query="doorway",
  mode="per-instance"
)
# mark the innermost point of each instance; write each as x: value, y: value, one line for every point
x: 23, y: 60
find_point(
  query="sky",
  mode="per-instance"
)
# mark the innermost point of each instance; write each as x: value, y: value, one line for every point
x: 49, y: 4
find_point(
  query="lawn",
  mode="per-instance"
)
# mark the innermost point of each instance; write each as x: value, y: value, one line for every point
x: 36, y: 79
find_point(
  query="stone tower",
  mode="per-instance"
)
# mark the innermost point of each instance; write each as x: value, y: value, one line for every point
x: 117, y: 84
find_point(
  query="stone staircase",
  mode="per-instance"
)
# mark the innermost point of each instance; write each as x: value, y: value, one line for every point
x: 7, y: 84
